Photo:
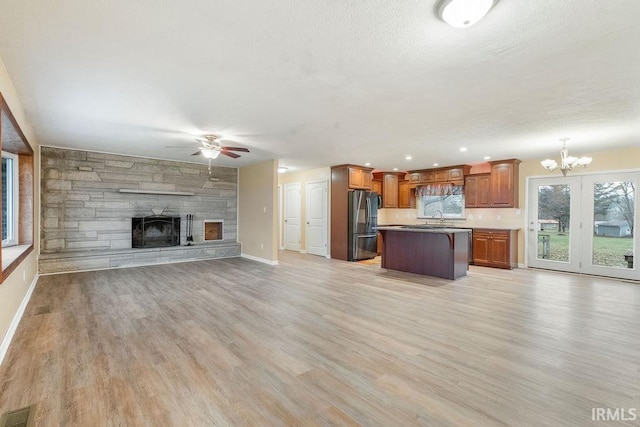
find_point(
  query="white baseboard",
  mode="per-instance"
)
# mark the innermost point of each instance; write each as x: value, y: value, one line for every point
x: 522, y: 265
x: 258, y: 259
x: 4, y: 347
x: 303, y: 251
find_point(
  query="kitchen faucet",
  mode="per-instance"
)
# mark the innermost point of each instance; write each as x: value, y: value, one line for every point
x: 441, y: 215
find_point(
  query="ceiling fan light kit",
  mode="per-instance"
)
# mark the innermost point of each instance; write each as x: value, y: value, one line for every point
x: 463, y: 13
x: 567, y: 162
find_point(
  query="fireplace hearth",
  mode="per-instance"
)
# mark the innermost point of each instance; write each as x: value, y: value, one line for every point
x: 155, y: 231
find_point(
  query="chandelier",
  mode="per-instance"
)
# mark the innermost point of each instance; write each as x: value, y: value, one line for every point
x: 567, y: 162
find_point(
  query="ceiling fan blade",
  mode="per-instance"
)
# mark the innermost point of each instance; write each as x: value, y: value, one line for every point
x: 246, y: 150
x: 230, y: 154
x: 197, y: 153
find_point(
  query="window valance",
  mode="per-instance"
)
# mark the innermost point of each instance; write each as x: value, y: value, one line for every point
x: 439, y: 190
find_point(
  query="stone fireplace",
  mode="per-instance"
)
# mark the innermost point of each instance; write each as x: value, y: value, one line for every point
x: 155, y: 231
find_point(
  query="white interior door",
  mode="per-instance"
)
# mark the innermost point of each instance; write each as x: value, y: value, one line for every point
x: 316, y: 208
x: 292, y: 216
x: 554, y: 223
x: 585, y: 224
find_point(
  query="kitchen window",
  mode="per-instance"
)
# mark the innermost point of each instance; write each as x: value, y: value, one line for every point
x: 440, y: 201
x: 10, y: 200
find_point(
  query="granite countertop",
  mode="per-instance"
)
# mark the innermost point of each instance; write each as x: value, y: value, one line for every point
x: 411, y: 229
x: 453, y: 227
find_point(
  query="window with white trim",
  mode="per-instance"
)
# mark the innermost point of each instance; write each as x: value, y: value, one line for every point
x: 440, y: 201
x: 10, y: 200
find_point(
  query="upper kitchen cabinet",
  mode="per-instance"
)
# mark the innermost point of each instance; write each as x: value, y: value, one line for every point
x: 497, y: 189
x: 477, y: 191
x: 404, y: 195
x: 376, y: 185
x: 504, y: 183
x: 358, y: 177
x: 451, y: 175
x: 390, y: 188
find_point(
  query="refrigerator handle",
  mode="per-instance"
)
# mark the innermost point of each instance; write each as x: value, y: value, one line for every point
x: 379, y: 201
x: 368, y: 210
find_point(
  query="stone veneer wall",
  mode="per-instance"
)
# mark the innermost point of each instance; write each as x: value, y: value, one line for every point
x: 85, y: 216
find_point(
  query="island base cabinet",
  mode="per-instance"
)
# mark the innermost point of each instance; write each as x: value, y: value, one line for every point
x: 495, y: 248
x: 443, y: 255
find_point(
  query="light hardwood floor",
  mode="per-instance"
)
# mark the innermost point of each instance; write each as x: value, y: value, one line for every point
x: 321, y: 342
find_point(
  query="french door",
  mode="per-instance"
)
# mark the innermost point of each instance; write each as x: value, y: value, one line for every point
x: 585, y: 224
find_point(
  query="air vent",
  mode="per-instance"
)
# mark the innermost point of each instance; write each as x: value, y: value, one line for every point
x: 19, y: 418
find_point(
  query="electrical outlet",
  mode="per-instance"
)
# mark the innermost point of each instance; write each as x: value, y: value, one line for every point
x: 261, y: 245
x: 264, y: 209
x: 24, y: 276
x: 518, y: 211
x: 499, y: 217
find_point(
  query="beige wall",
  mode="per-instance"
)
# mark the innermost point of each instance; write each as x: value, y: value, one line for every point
x: 257, y: 210
x: 303, y: 177
x: 14, y: 288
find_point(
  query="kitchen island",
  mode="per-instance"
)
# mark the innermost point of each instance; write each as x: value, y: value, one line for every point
x: 432, y: 251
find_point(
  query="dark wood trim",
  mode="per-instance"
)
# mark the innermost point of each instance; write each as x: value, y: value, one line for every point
x: 15, y: 263
x: 26, y: 184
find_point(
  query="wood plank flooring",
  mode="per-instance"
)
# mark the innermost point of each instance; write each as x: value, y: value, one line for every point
x: 322, y: 342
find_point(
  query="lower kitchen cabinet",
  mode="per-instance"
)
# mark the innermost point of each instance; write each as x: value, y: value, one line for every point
x: 495, y: 248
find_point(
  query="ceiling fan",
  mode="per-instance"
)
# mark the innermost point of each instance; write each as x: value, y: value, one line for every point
x: 212, y: 148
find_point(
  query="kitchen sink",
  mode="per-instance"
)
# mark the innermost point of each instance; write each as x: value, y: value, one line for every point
x: 421, y: 226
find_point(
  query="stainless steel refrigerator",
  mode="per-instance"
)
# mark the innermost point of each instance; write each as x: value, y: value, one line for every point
x: 363, y: 224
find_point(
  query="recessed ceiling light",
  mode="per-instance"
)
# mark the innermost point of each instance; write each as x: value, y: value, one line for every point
x: 282, y: 169
x: 395, y: 169
x: 487, y: 157
x: 435, y: 164
x: 408, y: 157
x: 367, y: 164
x: 463, y: 148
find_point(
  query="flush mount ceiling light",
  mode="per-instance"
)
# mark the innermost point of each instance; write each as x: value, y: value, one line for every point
x: 567, y: 162
x: 463, y: 13
x: 282, y: 169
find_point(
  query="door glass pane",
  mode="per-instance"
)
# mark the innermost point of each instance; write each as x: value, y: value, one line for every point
x: 554, y: 210
x: 613, y: 223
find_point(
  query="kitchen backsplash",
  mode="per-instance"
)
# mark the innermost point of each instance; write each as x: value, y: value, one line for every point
x: 488, y: 217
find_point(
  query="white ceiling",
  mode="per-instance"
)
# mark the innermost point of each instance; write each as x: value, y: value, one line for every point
x: 314, y: 83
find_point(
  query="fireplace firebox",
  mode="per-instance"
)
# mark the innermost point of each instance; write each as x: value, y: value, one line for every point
x: 155, y: 231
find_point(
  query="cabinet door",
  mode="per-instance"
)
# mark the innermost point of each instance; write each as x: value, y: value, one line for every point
x: 483, y: 195
x: 390, y: 191
x: 471, y: 192
x: 481, y: 248
x: 456, y: 174
x: 442, y: 175
x: 376, y: 186
x: 500, y: 249
x: 355, y: 178
x: 504, y: 191
x: 427, y: 177
x: 366, y: 180
x: 403, y: 194
x: 415, y: 178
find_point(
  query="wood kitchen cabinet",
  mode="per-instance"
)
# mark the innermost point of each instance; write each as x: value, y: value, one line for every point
x: 497, y: 189
x: 376, y: 186
x: 495, y: 248
x: 359, y: 178
x: 451, y: 175
x: 404, y: 195
x: 504, y: 183
x: 395, y: 190
x: 477, y: 191
x: 390, y: 191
